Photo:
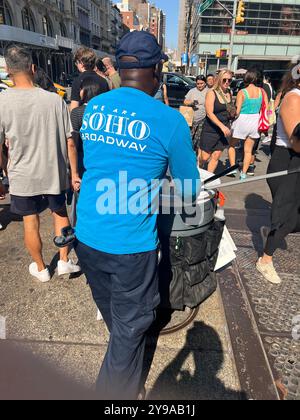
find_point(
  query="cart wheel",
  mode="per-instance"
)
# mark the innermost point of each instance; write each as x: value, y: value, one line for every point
x: 180, y: 320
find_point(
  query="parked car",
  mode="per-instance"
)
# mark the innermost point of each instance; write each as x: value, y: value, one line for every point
x: 178, y: 86
x: 60, y: 90
x: 192, y: 78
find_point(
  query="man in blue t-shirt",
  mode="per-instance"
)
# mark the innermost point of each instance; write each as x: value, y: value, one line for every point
x: 130, y: 140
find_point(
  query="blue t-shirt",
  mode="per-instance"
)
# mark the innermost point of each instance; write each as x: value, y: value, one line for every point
x: 129, y: 141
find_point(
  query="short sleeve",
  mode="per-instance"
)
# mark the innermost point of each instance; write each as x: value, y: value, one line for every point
x: 2, y: 136
x: 2, y: 133
x: 190, y: 96
x: 183, y: 162
x: 75, y: 120
x: 66, y: 120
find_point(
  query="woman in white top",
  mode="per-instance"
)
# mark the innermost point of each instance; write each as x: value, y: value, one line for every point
x: 285, y: 190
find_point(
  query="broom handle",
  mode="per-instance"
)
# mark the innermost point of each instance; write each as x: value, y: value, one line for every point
x: 255, y: 179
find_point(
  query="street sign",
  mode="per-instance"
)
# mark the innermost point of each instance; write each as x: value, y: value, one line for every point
x: 194, y: 59
x: 184, y: 59
x: 204, y: 6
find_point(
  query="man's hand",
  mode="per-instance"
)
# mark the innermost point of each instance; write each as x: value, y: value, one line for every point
x: 2, y: 191
x: 76, y: 183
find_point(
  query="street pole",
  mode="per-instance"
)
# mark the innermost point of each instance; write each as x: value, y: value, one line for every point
x: 207, y: 54
x: 230, y: 59
x: 206, y: 65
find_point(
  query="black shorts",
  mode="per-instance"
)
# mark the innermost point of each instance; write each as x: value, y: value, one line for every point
x: 28, y: 206
x: 213, y: 143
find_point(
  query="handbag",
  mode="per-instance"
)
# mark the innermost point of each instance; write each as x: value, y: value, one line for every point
x: 231, y: 108
x: 272, y: 113
x: 264, y: 124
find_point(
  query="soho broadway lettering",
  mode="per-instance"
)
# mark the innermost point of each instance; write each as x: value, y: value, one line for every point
x: 114, y: 129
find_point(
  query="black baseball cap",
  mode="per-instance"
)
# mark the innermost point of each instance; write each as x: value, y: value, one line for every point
x: 141, y: 45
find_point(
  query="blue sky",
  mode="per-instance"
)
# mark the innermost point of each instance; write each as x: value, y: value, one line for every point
x: 171, y: 9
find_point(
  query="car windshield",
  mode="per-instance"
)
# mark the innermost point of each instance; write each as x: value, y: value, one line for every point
x: 187, y: 80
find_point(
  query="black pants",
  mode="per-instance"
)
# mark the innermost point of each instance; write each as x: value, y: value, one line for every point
x: 125, y: 289
x: 286, y: 198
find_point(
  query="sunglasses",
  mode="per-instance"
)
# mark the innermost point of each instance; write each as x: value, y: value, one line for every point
x: 227, y: 80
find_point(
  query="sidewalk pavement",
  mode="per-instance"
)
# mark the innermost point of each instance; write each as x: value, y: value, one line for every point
x: 54, y: 344
x: 54, y: 327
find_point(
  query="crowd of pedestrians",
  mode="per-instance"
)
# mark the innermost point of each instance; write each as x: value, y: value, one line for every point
x: 222, y: 122
x: 51, y: 149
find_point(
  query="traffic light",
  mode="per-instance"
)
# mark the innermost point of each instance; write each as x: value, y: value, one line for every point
x: 222, y: 53
x: 240, y: 17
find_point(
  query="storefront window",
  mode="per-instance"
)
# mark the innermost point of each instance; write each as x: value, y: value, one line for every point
x: 63, y: 30
x: 27, y: 20
x: 47, y: 26
x: 260, y: 18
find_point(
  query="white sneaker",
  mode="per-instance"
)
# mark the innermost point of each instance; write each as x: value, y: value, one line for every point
x: 67, y: 267
x: 42, y: 276
x: 268, y: 271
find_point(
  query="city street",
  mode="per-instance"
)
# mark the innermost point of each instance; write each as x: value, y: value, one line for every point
x: 100, y: 102
x: 54, y: 344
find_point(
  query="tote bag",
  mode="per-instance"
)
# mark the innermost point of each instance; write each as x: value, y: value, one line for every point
x: 264, y: 124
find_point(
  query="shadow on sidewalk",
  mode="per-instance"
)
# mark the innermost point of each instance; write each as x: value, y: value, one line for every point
x: 258, y: 215
x: 178, y: 383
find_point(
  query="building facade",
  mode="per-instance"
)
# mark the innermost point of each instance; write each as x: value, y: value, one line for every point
x: 50, y: 28
x: 84, y: 20
x: 54, y: 29
x: 269, y: 36
x: 185, y: 9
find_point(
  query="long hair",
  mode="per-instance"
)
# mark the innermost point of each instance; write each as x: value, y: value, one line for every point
x: 251, y: 78
x: 291, y: 79
x: 220, y: 77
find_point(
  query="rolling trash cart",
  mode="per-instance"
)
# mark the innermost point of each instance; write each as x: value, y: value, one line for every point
x: 190, y: 250
x: 190, y: 240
